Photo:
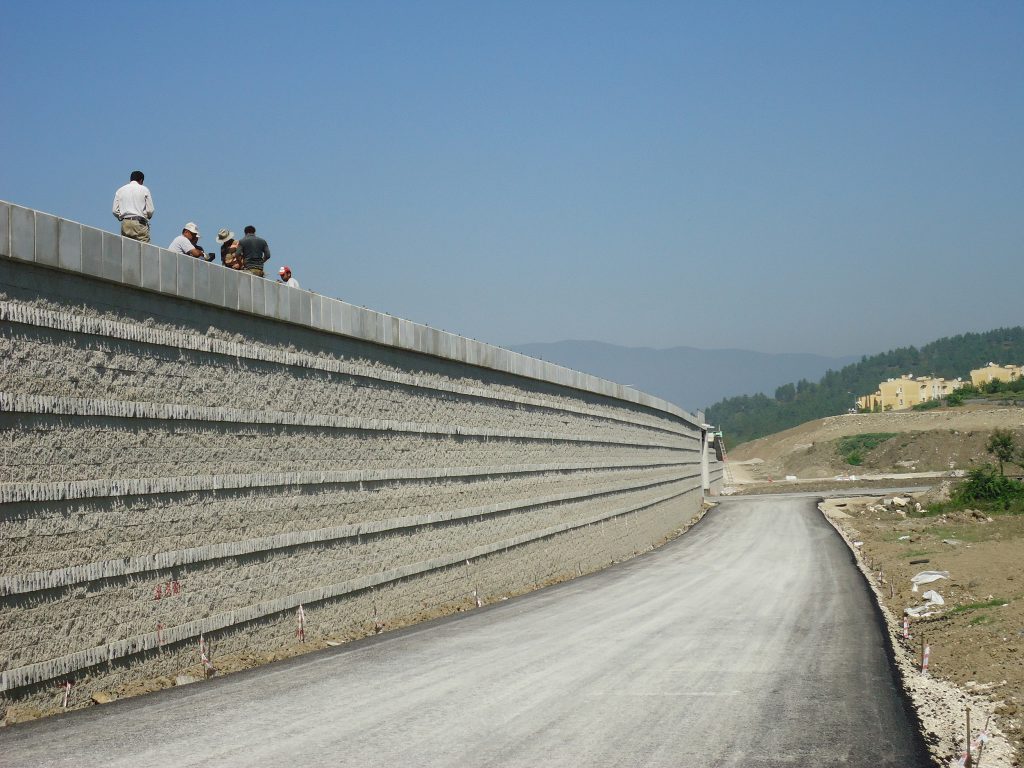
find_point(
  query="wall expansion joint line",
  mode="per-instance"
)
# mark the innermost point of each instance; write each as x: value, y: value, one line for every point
x: 107, y: 569
x: 90, y: 489
x: 126, y: 409
x: 194, y: 342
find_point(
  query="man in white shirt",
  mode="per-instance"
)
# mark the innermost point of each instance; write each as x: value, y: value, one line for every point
x: 284, y: 275
x: 133, y: 207
x: 186, y: 243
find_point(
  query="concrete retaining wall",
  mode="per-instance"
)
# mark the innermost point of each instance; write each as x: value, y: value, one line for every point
x: 188, y: 450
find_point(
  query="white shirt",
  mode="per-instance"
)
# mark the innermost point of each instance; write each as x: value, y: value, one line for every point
x: 133, y: 199
x: 291, y: 282
x: 181, y: 244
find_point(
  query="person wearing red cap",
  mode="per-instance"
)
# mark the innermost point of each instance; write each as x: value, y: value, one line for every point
x: 284, y: 275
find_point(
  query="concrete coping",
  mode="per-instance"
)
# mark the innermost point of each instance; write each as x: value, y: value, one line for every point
x: 48, y: 241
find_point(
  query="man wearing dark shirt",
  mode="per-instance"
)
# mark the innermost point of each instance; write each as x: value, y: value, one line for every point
x: 255, y: 251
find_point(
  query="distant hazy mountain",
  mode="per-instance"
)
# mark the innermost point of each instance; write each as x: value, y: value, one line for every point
x: 691, y: 378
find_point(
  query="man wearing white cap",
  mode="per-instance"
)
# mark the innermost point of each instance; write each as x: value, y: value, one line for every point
x: 285, y: 276
x: 185, y: 243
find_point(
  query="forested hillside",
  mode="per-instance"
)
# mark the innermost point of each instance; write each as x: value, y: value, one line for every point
x: 689, y: 377
x: 751, y: 416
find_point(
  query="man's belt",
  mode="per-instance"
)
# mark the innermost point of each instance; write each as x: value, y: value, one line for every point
x: 143, y: 219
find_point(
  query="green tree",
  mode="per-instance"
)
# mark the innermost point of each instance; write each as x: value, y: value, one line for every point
x: 786, y: 393
x: 1002, y: 444
x: 955, y: 398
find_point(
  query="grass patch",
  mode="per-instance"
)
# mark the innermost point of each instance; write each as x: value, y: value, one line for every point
x: 918, y: 553
x: 996, y: 603
x: 853, y: 447
x: 991, y: 508
x: 982, y: 619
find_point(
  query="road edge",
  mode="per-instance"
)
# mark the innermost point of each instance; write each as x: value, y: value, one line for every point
x: 932, y: 703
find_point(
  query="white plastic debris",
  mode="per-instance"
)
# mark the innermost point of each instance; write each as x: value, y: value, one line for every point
x: 919, y: 611
x: 926, y: 577
x: 933, y: 597
x: 791, y: 477
x: 904, y: 538
x: 858, y: 544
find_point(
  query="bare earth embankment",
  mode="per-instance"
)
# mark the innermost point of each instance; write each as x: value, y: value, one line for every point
x: 927, y: 444
x: 976, y: 638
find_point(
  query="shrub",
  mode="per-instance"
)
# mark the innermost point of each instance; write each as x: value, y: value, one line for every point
x: 986, y: 486
x: 1002, y: 444
x: 953, y: 399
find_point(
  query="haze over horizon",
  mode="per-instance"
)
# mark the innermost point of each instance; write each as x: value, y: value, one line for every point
x: 778, y: 177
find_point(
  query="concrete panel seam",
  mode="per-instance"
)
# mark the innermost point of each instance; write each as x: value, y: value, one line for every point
x: 90, y: 489
x: 34, y: 316
x: 130, y: 409
x: 62, y: 577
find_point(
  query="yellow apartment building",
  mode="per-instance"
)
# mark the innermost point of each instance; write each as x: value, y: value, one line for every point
x: 995, y: 372
x: 870, y: 402
x: 907, y: 391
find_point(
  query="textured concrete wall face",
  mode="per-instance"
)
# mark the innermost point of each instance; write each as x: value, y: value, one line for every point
x: 185, y: 450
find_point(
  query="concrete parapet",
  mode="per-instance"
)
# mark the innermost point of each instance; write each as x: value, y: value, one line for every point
x: 33, y: 236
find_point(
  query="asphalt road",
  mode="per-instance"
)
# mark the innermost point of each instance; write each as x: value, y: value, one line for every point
x: 750, y: 641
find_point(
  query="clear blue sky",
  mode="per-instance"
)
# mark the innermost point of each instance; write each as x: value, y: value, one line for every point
x: 831, y: 177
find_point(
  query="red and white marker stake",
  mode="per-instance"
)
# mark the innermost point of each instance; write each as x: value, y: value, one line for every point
x: 906, y: 627
x: 976, y: 745
x: 300, y: 624
x: 203, y: 657
x: 479, y: 602
x: 67, y: 693
x: 160, y: 634
x: 924, y: 659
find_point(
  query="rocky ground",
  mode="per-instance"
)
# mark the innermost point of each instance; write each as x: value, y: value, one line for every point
x: 975, y: 638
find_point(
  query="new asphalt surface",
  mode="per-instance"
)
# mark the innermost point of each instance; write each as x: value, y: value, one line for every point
x: 750, y: 641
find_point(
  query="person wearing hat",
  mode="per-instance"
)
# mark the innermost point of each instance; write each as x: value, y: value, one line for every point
x: 230, y: 256
x: 186, y: 243
x: 284, y: 275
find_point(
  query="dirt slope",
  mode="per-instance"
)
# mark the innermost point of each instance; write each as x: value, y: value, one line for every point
x: 927, y: 441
